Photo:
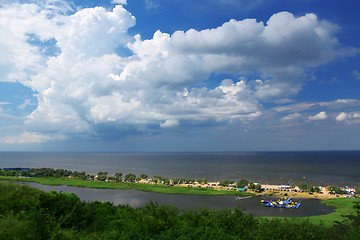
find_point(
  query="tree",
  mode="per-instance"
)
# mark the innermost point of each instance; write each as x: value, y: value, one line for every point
x: 242, y: 183
x: 337, y: 190
x: 130, y: 177
x: 102, y: 176
x: 118, y: 176
x: 143, y: 176
x: 176, y: 180
x: 157, y: 178
x: 226, y: 183
x: 306, y: 187
x: 202, y: 180
x: 166, y: 181
x: 258, y: 187
x: 183, y: 180
x: 252, y: 186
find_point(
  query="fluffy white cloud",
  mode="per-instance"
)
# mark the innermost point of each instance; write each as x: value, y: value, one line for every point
x: 87, y: 84
x: 280, y: 51
x: 341, y: 117
x: 319, y: 116
x: 169, y: 123
x: 349, y: 118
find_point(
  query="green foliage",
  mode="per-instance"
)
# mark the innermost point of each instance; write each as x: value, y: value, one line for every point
x: 337, y: 190
x: 130, y: 177
x: 202, y: 181
x: 258, y: 187
x: 39, y: 172
x: 357, y: 190
x: 187, y: 180
x: 26, y: 213
x: 16, y: 198
x: 288, y: 229
x: 143, y: 176
x: 118, y: 176
x: 102, y: 176
x: 76, y: 174
x: 166, y: 181
x: 176, y: 180
x: 226, y: 183
x: 308, y: 188
x: 251, y: 186
x: 242, y: 183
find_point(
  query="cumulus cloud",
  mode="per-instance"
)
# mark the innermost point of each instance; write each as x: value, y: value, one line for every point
x: 341, y: 117
x: 87, y: 85
x: 349, y: 118
x: 319, y: 116
x: 169, y: 123
x: 281, y: 50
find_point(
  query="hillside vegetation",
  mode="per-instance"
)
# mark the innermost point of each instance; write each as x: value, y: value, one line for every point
x: 27, y: 213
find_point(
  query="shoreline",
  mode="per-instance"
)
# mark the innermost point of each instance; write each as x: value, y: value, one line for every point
x: 302, y: 195
x: 344, y: 206
x: 176, y: 189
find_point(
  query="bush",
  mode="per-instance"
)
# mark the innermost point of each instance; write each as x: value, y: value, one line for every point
x: 26, y: 213
x: 242, y: 183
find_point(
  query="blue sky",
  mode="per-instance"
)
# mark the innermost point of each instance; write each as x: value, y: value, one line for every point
x: 171, y: 75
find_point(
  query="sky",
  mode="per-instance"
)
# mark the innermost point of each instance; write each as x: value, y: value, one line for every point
x: 179, y: 75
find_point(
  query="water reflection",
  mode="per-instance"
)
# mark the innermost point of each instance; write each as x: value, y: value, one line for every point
x: 135, y: 198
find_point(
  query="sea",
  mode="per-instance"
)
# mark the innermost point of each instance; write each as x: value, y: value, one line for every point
x: 340, y: 168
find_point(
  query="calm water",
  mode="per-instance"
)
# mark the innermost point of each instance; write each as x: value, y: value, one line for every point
x: 134, y: 198
x: 327, y: 167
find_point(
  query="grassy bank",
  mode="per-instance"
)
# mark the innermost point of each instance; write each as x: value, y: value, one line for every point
x: 344, y: 206
x: 136, y: 186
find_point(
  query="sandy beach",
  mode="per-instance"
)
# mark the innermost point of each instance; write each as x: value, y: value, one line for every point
x: 301, y: 195
x: 293, y: 193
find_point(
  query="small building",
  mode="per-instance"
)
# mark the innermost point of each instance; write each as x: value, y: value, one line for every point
x: 241, y: 189
x: 284, y: 187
